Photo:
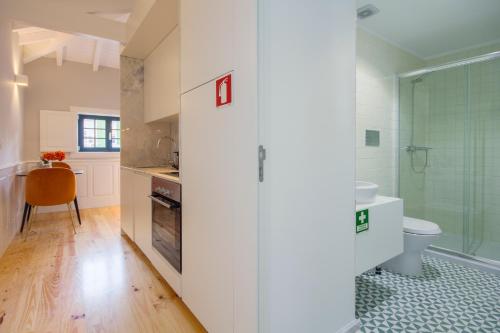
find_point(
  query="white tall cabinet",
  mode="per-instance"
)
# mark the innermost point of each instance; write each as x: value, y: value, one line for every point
x: 249, y: 247
x: 207, y: 32
x: 219, y: 164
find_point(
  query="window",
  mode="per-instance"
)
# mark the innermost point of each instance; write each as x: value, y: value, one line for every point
x: 98, y: 133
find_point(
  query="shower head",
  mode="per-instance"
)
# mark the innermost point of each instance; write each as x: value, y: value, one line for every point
x: 367, y: 11
x: 417, y: 80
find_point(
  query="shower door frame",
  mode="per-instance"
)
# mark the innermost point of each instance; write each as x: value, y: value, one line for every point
x: 427, y: 70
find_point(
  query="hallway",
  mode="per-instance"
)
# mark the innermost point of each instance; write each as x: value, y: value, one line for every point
x: 95, y: 281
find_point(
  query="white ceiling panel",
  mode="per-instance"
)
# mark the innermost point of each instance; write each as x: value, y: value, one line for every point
x: 429, y: 28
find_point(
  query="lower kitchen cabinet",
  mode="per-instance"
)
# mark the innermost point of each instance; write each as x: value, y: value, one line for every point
x: 127, y: 202
x: 136, y: 208
x: 136, y: 222
x: 142, y: 212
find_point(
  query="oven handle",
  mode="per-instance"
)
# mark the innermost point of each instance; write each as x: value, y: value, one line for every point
x: 164, y: 204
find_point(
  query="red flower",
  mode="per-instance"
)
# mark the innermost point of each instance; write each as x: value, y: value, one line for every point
x: 53, y: 156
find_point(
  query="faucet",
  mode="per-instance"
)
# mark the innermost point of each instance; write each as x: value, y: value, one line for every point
x: 175, y: 162
x: 164, y: 137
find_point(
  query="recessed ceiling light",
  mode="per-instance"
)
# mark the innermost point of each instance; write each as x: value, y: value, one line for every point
x: 367, y: 11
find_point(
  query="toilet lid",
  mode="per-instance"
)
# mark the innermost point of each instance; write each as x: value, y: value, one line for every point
x: 420, y: 227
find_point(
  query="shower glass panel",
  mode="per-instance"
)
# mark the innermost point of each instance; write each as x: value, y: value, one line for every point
x: 483, y: 146
x: 432, y: 141
x: 449, y: 155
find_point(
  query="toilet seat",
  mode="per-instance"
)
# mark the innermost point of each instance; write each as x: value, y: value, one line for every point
x: 420, y: 227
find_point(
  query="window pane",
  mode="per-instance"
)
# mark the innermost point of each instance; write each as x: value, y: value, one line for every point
x: 88, y: 143
x: 101, y: 134
x: 100, y: 123
x: 100, y: 143
x: 88, y: 133
x: 88, y: 123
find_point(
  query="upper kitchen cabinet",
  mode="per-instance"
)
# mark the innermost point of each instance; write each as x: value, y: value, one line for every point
x: 162, y: 79
x: 206, y: 41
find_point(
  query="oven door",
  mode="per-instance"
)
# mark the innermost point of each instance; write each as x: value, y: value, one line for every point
x: 166, y: 229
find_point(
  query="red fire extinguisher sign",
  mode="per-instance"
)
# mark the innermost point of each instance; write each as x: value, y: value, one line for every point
x: 223, y: 91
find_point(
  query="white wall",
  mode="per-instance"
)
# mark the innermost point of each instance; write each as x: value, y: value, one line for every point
x: 58, y: 88
x: 62, y: 88
x: 11, y: 97
x: 11, y: 134
x: 307, y: 91
x: 377, y: 66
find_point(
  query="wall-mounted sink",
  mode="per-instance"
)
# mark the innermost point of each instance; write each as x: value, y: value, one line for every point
x: 365, y: 192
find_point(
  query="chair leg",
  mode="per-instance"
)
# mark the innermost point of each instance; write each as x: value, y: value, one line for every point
x: 25, y: 214
x: 77, y: 211
x: 71, y: 216
x: 29, y: 212
x: 30, y: 222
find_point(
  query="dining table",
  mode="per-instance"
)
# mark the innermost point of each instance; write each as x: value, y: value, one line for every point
x: 24, y: 173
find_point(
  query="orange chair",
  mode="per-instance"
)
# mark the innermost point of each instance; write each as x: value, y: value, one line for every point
x: 50, y: 187
x: 57, y: 164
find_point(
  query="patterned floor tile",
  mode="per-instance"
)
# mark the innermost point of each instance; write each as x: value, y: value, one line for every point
x: 446, y: 298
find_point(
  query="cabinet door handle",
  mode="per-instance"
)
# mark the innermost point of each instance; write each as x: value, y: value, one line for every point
x: 164, y: 204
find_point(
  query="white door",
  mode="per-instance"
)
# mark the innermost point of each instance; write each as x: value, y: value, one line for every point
x: 219, y: 182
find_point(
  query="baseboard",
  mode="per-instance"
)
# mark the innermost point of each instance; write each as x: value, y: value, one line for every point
x: 352, y: 327
x: 464, y: 261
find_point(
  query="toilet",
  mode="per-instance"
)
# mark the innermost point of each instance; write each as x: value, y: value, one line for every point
x: 418, y: 234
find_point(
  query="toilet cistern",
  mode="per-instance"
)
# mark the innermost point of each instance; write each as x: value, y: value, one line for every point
x: 366, y: 192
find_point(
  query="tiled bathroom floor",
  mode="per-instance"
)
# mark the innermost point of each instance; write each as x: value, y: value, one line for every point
x: 447, y: 298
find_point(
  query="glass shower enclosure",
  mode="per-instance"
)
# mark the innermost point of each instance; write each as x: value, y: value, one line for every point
x: 449, y: 158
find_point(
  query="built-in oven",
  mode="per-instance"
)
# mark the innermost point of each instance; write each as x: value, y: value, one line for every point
x: 167, y: 220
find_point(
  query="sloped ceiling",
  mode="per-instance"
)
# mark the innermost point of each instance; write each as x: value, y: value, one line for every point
x: 39, y: 42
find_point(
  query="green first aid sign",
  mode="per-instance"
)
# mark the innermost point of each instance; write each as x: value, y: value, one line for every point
x: 362, y: 221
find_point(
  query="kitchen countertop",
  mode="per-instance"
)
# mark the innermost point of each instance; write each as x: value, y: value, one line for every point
x: 155, y: 172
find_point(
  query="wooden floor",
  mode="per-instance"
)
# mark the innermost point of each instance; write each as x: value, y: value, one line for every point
x: 95, y: 281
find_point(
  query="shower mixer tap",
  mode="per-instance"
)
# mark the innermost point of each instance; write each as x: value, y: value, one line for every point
x: 413, y: 148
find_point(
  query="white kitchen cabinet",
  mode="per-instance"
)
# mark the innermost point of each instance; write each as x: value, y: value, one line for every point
x: 208, y: 220
x: 136, y: 222
x: 162, y: 79
x: 142, y: 211
x: 136, y: 207
x: 127, y: 202
x: 58, y: 131
x: 207, y: 41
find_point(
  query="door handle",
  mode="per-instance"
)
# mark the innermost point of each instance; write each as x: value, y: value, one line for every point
x: 164, y: 204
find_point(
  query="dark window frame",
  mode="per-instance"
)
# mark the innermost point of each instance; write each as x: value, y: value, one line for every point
x: 109, y: 148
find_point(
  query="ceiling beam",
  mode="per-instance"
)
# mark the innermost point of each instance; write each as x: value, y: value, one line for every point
x: 97, y: 55
x: 35, y: 37
x: 60, y: 55
x: 61, y: 40
x: 50, y: 15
